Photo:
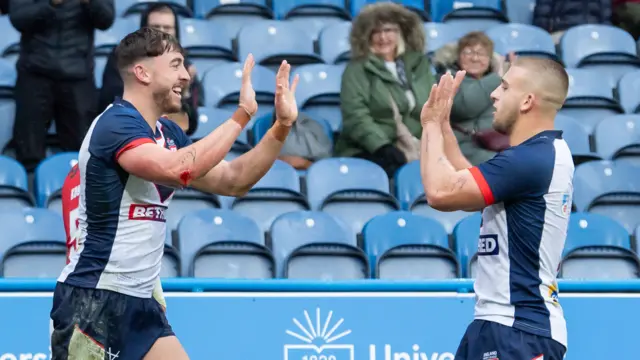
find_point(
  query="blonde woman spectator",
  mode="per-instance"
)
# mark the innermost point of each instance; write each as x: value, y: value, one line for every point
x: 472, y: 112
x: 384, y: 87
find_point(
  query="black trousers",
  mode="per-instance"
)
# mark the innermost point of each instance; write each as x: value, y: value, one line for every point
x: 39, y: 100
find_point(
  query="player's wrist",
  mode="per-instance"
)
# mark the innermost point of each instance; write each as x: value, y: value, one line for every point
x: 280, y: 131
x: 242, y: 116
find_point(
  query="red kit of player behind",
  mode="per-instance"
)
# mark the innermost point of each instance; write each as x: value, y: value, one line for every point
x: 70, y: 204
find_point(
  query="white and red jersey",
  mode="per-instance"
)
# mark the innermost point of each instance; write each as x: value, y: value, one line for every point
x: 70, y: 209
x: 121, y: 217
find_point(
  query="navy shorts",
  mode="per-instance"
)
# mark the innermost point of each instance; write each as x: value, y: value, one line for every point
x: 487, y: 340
x: 94, y: 324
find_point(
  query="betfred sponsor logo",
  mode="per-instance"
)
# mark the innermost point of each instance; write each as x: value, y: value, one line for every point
x: 147, y: 212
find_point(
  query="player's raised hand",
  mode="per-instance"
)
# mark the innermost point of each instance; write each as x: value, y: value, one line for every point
x: 247, y: 94
x: 285, y: 102
x: 438, y: 106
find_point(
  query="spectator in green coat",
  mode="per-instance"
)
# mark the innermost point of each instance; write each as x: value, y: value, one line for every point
x: 472, y: 106
x: 384, y: 87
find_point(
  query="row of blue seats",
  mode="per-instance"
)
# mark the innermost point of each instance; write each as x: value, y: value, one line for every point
x: 315, y: 245
x: 354, y: 190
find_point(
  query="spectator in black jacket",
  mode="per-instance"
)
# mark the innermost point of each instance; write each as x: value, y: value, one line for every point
x: 556, y: 16
x: 55, y: 72
x: 162, y: 17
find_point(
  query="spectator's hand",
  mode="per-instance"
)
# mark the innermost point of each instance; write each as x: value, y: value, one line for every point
x: 285, y: 102
x: 438, y: 106
x: 247, y: 94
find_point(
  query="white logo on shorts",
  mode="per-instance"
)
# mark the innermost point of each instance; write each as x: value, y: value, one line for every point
x: 113, y: 356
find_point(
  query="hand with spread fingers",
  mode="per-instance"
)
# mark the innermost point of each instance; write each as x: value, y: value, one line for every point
x: 285, y: 101
x: 438, y: 106
x: 247, y: 94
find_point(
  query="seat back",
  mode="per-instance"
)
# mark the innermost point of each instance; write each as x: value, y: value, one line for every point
x: 522, y: 39
x: 466, y: 235
x: 617, y: 134
x: 200, y: 229
x: 196, y: 38
x: 580, y: 45
x: 334, y: 43
x: 50, y: 175
x: 628, y: 89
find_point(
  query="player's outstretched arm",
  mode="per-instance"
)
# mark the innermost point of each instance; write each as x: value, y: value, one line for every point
x: 237, y: 177
x: 447, y: 188
x: 178, y: 169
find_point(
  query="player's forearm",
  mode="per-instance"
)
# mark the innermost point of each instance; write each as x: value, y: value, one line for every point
x: 195, y: 160
x: 452, y: 149
x: 248, y: 169
x: 436, y: 170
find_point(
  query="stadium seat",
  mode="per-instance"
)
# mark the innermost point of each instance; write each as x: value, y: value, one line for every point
x: 474, y: 15
x: 334, y: 44
x: 520, y: 11
x: 607, y: 49
x: 312, y: 16
x: 577, y: 138
x: 8, y: 77
x: 441, y: 34
x: 49, y: 178
x: 416, y: 6
x: 222, y: 86
x: 353, y: 190
x: 405, y: 246
x: 410, y: 192
x: 618, y: 136
x: 127, y: 8
x: 318, y: 92
x: 263, y: 124
x: 106, y: 40
x: 523, y: 40
x: 185, y: 201
x: 223, y: 244
x: 588, y: 99
x: 100, y: 62
x: 10, y: 40
x: 211, y: 118
x: 14, y: 188
x: 33, y: 243
x: 206, y: 43
x: 597, y: 247
x: 232, y: 15
x: 278, y: 192
x: 313, y: 245
x: 628, y: 89
x: 466, y: 235
x: 286, y: 42
x: 609, y: 188
x: 7, y: 117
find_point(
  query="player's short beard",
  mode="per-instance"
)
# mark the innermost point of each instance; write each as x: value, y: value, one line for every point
x: 508, y: 121
x: 164, y: 101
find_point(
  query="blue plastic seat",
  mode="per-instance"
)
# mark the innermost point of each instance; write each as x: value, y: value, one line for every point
x: 186, y: 201
x: 597, y: 247
x: 312, y: 15
x: 33, y: 243
x: 264, y: 123
x: 277, y: 192
x: 286, y: 42
x: 628, y: 89
x: 588, y: 99
x: 223, y: 244
x: 416, y: 6
x: 475, y: 15
x: 10, y: 40
x: 49, y: 178
x: 520, y: 11
x: 352, y: 190
x: 313, y: 245
x: 7, y: 118
x: 577, y: 138
x: 8, y: 77
x: 206, y: 40
x: 334, y: 44
x: 318, y: 92
x: 523, y: 40
x: 618, y: 136
x: 14, y: 188
x: 609, y: 188
x: 402, y: 245
x: 222, y: 86
x: 210, y: 118
x: 441, y: 34
x: 133, y: 8
x: 100, y: 63
x: 410, y: 192
x: 466, y: 235
x: 238, y: 9
x: 607, y: 49
x: 106, y: 40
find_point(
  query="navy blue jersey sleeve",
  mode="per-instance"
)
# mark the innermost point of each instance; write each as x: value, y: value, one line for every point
x: 516, y: 173
x: 114, y: 134
x: 181, y: 139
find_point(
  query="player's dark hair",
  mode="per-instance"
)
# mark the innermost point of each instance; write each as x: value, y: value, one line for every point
x: 144, y: 43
